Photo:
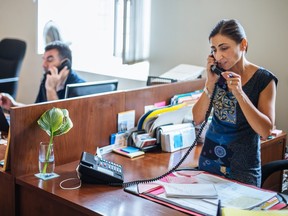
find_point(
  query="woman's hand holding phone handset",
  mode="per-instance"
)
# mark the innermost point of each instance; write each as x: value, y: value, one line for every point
x: 212, y: 78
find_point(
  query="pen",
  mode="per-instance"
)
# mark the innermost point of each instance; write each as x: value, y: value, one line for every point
x: 219, y: 212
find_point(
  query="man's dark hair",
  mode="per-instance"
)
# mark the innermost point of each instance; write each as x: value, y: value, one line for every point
x: 63, y: 49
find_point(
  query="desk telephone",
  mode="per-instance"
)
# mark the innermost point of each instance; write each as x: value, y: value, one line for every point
x: 93, y: 169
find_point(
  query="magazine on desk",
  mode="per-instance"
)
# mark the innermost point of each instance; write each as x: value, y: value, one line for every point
x: 232, y: 194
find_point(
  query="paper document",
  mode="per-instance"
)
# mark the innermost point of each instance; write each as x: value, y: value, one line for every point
x: 126, y: 120
x: 232, y: 194
x: 236, y: 195
x: 173, y: 117
x: 207, y: 191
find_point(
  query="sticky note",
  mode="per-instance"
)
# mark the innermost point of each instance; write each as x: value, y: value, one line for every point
x: 178, y: 141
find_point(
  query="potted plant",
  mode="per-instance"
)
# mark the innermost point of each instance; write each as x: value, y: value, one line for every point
x: 54, y: 122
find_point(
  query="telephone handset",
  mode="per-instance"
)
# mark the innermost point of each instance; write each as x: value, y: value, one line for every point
x: 216, y: 69
x: 93, y: 169
x: 66, y: 62
x: 221, y: 81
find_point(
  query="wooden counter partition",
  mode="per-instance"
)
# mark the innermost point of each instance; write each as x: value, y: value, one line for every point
x: 94, y: 119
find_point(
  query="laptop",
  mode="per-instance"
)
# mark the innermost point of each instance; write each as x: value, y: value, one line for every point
x: 4, y: 124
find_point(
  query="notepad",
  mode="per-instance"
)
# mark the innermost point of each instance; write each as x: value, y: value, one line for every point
x: 126, y: 154
x: 201, y: 191
x: 129, y: 149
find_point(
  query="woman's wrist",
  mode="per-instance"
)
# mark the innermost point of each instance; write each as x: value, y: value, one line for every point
x: 207, y: 92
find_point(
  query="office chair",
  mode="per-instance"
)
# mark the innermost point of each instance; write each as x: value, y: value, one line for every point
x: 155, y: 80
x: 12, y: 52
x: 273, y: 166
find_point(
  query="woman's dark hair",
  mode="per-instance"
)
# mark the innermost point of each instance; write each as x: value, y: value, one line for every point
x: 63, y: 49
x: 230, y: 28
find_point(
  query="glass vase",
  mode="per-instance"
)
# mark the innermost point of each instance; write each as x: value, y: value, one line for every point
x: 46, y: 159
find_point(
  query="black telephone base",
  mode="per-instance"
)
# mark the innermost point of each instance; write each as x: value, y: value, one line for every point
x: 93, y: 169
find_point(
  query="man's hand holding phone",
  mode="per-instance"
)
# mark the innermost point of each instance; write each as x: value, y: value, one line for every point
x: 56, y: 78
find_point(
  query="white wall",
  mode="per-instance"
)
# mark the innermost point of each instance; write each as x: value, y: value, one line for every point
x: 180, y: 32
x: 179, y: 35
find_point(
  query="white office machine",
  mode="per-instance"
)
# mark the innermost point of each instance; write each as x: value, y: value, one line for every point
x: 184, y: 72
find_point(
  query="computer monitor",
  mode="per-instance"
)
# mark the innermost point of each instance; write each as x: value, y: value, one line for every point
x: 88, y: 88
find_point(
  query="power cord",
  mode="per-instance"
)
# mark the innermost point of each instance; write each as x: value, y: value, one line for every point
x: 71, y: 179
x: 127, y: 184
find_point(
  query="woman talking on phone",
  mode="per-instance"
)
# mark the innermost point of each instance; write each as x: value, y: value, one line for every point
x: 243, y: 107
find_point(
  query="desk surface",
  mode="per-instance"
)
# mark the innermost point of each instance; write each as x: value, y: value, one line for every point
x: 104, y: 200
x: 98, y: 199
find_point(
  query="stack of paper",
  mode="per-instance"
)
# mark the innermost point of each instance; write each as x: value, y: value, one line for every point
x: 201, y: 191
x: 190, y: 98
x: 161, y: 116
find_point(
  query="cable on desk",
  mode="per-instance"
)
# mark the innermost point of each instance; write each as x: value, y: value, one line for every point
x: 127, y: 184
x: 70, y: 179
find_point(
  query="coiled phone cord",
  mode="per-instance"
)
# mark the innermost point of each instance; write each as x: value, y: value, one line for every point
x: 127, y: 184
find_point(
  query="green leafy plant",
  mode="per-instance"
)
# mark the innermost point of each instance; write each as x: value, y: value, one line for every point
x: 54, y: 122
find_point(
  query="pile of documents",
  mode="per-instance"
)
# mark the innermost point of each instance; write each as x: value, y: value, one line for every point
x: 172, y: 114
x: 189, y: 98
x: 200, y: 192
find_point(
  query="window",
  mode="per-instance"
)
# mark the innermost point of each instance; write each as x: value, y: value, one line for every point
x: 99, y: 32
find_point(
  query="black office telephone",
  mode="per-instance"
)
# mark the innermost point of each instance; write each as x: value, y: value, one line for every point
x: 93, y: 169
x: 217, y: 70
x: 221, y: 81
x: 67, y: 63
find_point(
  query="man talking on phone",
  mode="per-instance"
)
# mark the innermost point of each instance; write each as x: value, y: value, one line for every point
x: 56, y: 77
x: 57, y: 61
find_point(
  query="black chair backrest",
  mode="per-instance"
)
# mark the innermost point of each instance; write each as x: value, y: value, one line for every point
x: 271, y: 167
x: 12, y: 52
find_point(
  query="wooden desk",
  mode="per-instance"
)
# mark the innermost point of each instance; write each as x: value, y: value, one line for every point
x: 7, y: 183
x: 94, y: 118
x: 271, y: 150
x: 38, y: 197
